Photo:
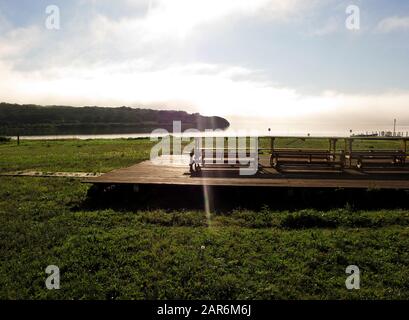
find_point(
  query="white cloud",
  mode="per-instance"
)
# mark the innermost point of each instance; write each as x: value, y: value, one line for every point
x: 18, y: 42
x: 149, y: 28
x: 180, y: 18
x: 395, y: 23
x: 158, y: 34
x: 125, y: 61
x: 209, y: 89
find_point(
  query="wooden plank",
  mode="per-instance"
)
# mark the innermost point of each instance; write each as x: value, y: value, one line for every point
x: 148, y: 173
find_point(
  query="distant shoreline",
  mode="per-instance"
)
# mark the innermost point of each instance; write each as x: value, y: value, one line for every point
x: 34, y: 120
x: 226, y: 133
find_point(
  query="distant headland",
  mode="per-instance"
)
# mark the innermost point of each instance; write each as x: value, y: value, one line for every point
x: 30, y: 119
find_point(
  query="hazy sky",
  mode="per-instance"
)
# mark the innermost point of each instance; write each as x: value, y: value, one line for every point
x: 274, y: 60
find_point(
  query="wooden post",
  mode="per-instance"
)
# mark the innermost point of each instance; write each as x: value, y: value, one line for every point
x: 334, y: 147
x: 350, y: 151
x: 18, y: 139
x: 333, y: 144
x: 272, y: 140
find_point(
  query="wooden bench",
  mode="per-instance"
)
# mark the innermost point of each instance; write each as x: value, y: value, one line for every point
x: 221, y: 157
x: 382, y: 157
x: 305, y: 156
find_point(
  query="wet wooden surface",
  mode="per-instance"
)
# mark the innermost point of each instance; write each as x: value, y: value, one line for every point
x: 177, y: 173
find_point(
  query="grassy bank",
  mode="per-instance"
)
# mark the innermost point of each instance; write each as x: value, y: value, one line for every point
x: 111, y: 254
x: 131, y: 253
x: 73, y: 155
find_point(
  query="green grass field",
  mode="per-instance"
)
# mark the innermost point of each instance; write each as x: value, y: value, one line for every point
x: 73, y: 155
x: 106, y: 155
x: 107, y: 253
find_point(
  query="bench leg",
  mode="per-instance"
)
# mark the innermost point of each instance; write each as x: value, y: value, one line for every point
x: 274, y: 161
x: 359, y: 164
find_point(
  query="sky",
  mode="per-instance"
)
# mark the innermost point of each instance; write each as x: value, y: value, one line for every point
x: 289, y: 65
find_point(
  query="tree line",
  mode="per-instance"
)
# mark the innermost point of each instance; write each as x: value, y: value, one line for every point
x: 33, y: 119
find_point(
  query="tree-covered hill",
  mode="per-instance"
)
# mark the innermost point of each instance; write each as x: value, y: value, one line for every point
x: 43, y: 120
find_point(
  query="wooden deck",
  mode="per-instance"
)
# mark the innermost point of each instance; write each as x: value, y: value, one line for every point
x: 147, y: 173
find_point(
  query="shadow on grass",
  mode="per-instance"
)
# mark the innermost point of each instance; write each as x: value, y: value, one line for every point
x: 222, y: 199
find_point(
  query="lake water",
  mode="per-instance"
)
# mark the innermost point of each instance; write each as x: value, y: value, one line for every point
x: 284, y: 131
x: 145, y: 135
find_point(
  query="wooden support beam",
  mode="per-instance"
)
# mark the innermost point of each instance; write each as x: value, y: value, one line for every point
x: 333, y: 145
x: 272, y: 140
x: 348, y: 149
